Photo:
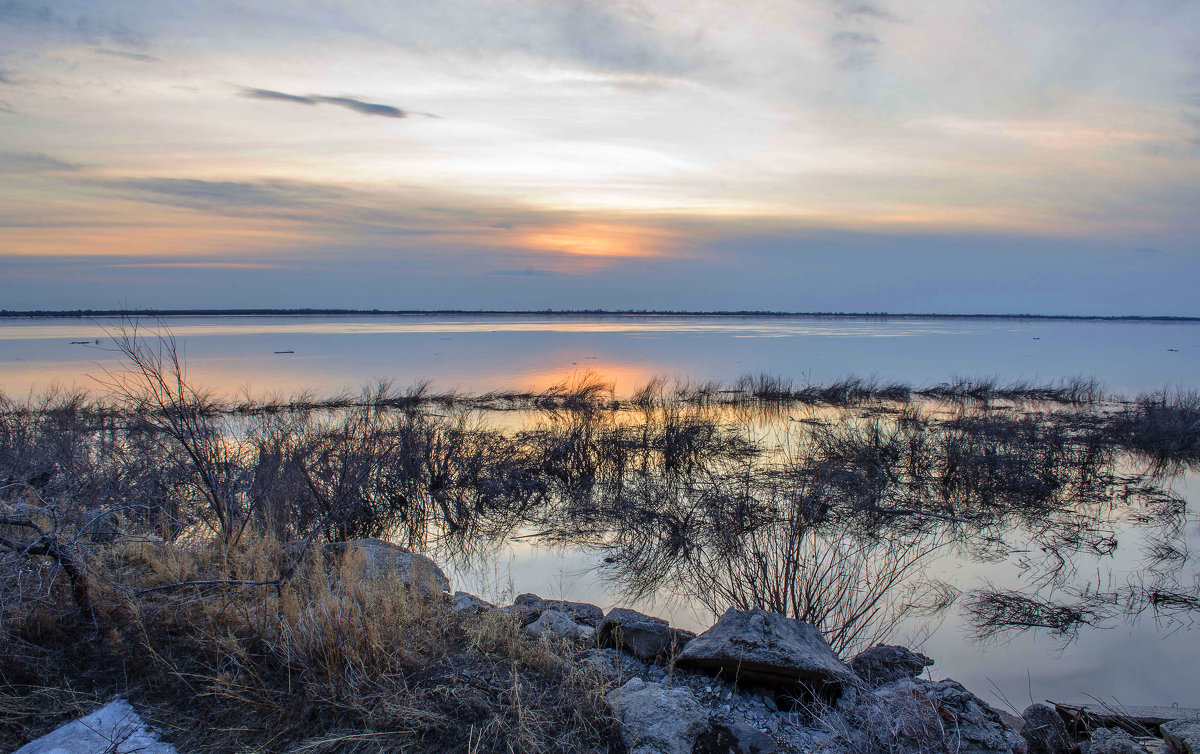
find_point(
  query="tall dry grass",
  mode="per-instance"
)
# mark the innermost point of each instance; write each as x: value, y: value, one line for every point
x: 225, y: 657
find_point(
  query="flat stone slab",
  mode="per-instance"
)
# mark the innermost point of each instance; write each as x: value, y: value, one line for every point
x: 1099, y: 716
x: 113, y: 729
x: 769, y: 648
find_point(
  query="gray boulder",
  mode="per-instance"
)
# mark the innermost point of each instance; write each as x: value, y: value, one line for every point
x: 919, y: 715
x: 613, y: 665
x: 1182, y: 736
x: 981, y: 728
x: 658, y: 719
x: 884, y: 663
x: 1113, y: 741
x: 113, y: 729
x: 558, y: 625
x: 462, y: 602
x: 766, y: 648
x: 1044, y: 730
x: 383, y: 559
x: 580, y: 612
x: 643, y: 636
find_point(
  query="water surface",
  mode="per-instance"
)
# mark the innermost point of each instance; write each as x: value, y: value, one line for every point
x: 480, y: 353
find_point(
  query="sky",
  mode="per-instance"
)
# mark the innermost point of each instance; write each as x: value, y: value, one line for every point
x: 814, y: 155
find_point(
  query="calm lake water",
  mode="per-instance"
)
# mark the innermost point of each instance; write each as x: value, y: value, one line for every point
x: 1140, y: 660
x: 479, y: 353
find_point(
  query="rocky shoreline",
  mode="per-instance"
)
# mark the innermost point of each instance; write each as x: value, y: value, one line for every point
x: 755, y: 682
x: 758, y: 682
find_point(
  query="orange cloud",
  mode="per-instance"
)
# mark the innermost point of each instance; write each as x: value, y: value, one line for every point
x: 596, y: 240
x: 149, y: 240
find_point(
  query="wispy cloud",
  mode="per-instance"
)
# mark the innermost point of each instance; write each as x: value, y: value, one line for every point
x: 850, y: 9
x: 270, y: 94
x: 220, y: 196
x: 1194, y: 122
x: 137, y: 56
x: 350, y: 103
x: 217, y: 265
x: 86, y: 27
x: 527, y: 272
x: 32, y: 162
x: 855, y: 50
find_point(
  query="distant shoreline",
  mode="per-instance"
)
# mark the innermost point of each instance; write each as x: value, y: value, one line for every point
x: 86, y: 313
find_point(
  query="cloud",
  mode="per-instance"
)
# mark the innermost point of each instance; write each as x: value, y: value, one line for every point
x: 1194, y: 122
x: 366, y: 108
x: 270, y: 94
x: 357, y: 105
x: 855, y: 50
x: 216, y: 265
x: 139, y: 57
x: 848, y: 9
x: 527, y: 272
x: 35, y: 17
x: 32, y: 162
x: 5, y: 77
x: 224, y: 195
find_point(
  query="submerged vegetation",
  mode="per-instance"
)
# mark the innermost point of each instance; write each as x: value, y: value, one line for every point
x: 158, y: 531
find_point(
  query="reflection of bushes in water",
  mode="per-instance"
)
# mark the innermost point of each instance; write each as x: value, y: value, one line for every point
x: 994, y: 612
x: 832, y: 528
x: 1164, y: 426
x: 827, y: 515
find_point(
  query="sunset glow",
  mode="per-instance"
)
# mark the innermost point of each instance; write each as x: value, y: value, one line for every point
x: 621, y: 149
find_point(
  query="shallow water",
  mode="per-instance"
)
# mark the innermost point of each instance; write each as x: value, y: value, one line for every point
x: 480, y: 353
x: 1139, y: 660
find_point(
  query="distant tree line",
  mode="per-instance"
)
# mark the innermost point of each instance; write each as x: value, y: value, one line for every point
x: 87, y: 313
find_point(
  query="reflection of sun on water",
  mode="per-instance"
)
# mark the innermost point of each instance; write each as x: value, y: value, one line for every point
x: 624, y: 378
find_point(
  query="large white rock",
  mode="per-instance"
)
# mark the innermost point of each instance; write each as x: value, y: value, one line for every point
x: 113, y: 729
x: 382, y: 559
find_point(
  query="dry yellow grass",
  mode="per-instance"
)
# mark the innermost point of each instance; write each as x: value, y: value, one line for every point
x: 324, y: 661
